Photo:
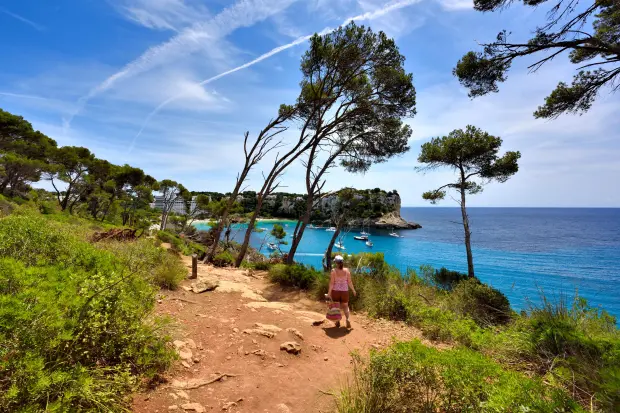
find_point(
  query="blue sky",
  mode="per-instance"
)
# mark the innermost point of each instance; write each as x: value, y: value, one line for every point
x: 90, y: 73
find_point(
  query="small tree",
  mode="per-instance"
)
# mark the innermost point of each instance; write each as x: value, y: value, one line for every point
x: 344, y: 209
x: 472, y: 154
x: 567, y: 30
x: 70, y: 165
x: 279, y: 234
x: 171, y: 191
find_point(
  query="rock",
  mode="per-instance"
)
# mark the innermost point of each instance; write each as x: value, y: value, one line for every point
x: 229, y: 358
x: 282, y: 408
x: 179, y: 344
x: 279, y: 364
x: 196, y: 407
x: 183, y: 394
x: 236, y: 330
x: 196, y: 360
x: 394, y: 220
x: 267, y: 334
x: 317, y: 322
x: 231, y: 404
x: 260, y: 352
x: 205, y: 284
x: 291, y: 347
x: 268, y: 327
x: 173, y: 407
x: 186, y: 288
x: 326, y: 359
x: 185, y: 364
x: 185, y: 354
x: 295, y: 332
x: 191, y: 343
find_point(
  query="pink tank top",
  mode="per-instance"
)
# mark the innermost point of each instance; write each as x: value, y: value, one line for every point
x: 341, y: 283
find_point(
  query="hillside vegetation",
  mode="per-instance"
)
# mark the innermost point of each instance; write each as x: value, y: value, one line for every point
x: 560, y: 357
x: 76, y: 325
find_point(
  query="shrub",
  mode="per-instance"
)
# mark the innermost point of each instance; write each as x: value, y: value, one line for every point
x: 223, y: 259
x: 484, y: 304
x: 75, y: 320
x: 410, y: 377
x: 296, y: 275
x: 443, y: 278
x: 258, y: 266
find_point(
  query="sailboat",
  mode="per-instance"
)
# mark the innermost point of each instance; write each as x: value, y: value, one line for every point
x: 339, y: 246
x: 331, y: 229
x: 364, y: 233
x: 361, y: 237
x: 394, y: 234
x: 272, y: 246
x: 369, y: 243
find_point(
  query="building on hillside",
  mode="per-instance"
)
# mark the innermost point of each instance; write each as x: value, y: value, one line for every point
x: 178, y: 207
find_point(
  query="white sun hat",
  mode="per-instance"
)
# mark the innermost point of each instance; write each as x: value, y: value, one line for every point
x: 339, y: 258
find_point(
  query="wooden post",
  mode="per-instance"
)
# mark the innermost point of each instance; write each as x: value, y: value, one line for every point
x: 194, y: 267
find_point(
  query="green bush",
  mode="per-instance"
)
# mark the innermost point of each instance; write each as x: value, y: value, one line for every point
x: 223, y: 259
x: 444, y: 278
x: 296, y: 275
x: 258, y: 266
x: 180, y: 245
x: 76, y: 331
x: 410, y: 377
x: 484, y: 304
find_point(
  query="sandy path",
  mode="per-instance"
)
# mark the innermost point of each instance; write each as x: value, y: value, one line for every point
x: 211, y: 337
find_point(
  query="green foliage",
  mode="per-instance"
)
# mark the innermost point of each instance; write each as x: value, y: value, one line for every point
x: 76, y: 331
x: 181, y: 245
x: 443, y: 278
x: 410, y: 377
x: 258, y: 266
x: 589, y: 32
x: 224, y: 259
x: 296, y: 275
x: 484, y: 304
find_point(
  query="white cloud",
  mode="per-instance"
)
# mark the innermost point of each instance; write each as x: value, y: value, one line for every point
x: 456, y: 4
x: 162, y: 14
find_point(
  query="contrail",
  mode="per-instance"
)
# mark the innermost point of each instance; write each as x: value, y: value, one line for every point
x: 243, y: 13
x: 366, y: 16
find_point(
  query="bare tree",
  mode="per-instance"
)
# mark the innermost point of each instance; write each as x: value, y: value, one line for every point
x: 263, y: 144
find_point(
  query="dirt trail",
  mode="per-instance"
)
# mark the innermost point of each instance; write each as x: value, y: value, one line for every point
x: 238, y: 329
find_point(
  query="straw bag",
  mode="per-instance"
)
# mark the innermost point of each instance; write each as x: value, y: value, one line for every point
x: 333, y: 312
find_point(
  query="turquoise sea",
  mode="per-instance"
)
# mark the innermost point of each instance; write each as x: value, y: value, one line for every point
x: 520, y: 251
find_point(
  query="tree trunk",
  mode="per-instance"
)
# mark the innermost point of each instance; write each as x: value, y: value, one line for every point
x: 305, y: 219
x: 246, y: 240
x: 328, y: 254
x: 470, y: 258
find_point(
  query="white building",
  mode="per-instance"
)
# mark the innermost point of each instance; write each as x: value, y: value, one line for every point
x: 178, y: 207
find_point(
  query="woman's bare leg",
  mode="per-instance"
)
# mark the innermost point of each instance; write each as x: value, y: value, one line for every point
x: 347, y: 313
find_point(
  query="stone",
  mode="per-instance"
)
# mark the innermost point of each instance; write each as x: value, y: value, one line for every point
x: 260, y: 352
x: 191, y: 343
x: 291, y: 347
x: 182, y: 394
x: 196, y: 407
x: 295, y: 332
x: 229, y: 358
x: 283, y: 408
x: 279, y: 364
x: 179, y: 344
x: 185, y: 354
x: 317, y: 322
x: 236, y: 330
x: 205, y: 284
x: 173, y: 407
x: 186, y: 288
x: 326, y: 359
x: 196, y: 360
x: 185, y: 364
x: 267, y: 334
x: 174, y: 396
x: 268, y: 327
x: 231, y: 404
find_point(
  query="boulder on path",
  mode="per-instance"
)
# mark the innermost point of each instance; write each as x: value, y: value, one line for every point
x: 283, y: 408
x: 295, y: 332
x: 268, y: 327
x: 205, y: 284
x: 264, y: 333
x: 291, y: 347
x: 196, y: 407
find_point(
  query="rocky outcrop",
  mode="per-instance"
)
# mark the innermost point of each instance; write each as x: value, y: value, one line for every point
x: 394, y: 220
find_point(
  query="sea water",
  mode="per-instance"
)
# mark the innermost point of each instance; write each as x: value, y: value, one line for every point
x: 521, y: 251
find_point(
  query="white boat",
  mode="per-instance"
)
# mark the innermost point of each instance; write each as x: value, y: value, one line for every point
x: 311, y: 226
x: 361, y: 237
x: 369, y: 243
x: 331, y: 229
x: 272, y: 246
x: 339, y: 246
x: 395, y: 235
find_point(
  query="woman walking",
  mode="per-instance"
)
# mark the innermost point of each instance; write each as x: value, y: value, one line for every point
x: 339, y: 284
